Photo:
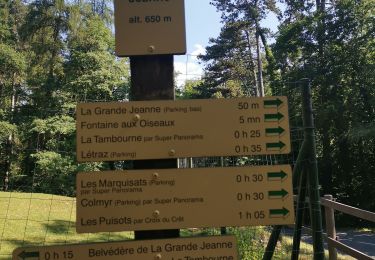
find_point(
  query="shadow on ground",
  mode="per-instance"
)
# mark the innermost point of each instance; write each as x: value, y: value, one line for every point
x: 59, y: 226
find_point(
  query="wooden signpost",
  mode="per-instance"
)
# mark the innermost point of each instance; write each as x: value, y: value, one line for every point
x: 156, y: 203
x: 183, y: 198
x: 217, y: 247
x: 184, y: 128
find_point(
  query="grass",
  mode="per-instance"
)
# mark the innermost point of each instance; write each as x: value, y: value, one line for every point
x: 368, y: 230
x: 306, y: 251
x: 31, y: 219
x: 252, y: 241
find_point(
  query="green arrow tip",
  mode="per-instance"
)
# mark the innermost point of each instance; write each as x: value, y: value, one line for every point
x: 280, y: 145
x: 284, y: 211
x: 283, y: 174
x: 273, y: 102
x: 275, y: 131
x: 278, y: 193
x: 273, y: 117
x: 278, y: 101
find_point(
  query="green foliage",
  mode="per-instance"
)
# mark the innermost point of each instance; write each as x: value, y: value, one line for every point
x: 229, y: 64
x: 92, y: 70
x: 12, y: 73
x: 250, y: 242
x: 334, y: 46
x: 91, y: 35
x: 4, y: 15
x: 6, y: 130
x: 11, y: 17
x: 189, y: 90
x: 236, y: 54
x: 53, y: 54
x: 54, y: 173
x: 64, y: 125
x: 11, y: 62
x: 54, y: 133
x: 8, y: 140
x: 366, y: 132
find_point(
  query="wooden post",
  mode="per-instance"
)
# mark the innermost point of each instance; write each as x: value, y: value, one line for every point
x: 330, y: 226
x: 152, y: 78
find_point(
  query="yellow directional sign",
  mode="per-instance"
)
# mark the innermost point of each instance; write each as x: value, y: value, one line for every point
x: 183, y: 198
x: 149, y: 27
x: 185, y: 128
x: 215, y: 247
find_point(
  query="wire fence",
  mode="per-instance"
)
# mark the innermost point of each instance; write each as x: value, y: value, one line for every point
x: 31, y: 218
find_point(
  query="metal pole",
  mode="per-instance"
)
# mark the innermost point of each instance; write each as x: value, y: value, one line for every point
x: 312, y: 171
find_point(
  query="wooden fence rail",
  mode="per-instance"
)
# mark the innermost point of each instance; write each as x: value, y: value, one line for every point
x: 330, y: 206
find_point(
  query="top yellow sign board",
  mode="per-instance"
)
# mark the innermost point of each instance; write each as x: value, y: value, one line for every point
x: 145, y: 27
x: 185, y: 128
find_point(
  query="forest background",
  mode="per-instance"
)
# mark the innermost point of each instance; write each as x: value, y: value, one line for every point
x: 55, y: 53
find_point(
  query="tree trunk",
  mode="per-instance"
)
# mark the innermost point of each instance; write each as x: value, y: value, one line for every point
x: 260, y: 65
x: 9, y: 144
x: 326, y: 163
x: 252, y: 65
x: 321, y: 8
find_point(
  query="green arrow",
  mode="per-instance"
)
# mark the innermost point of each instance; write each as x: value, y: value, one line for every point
x: 279, y: 212
x: 277, y: 175
x: 273, y: 117
x: 24, y: 255
x: 278, y: 193
x: 275, y: 131
x: 280, y: 145
x: 273, y: 103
